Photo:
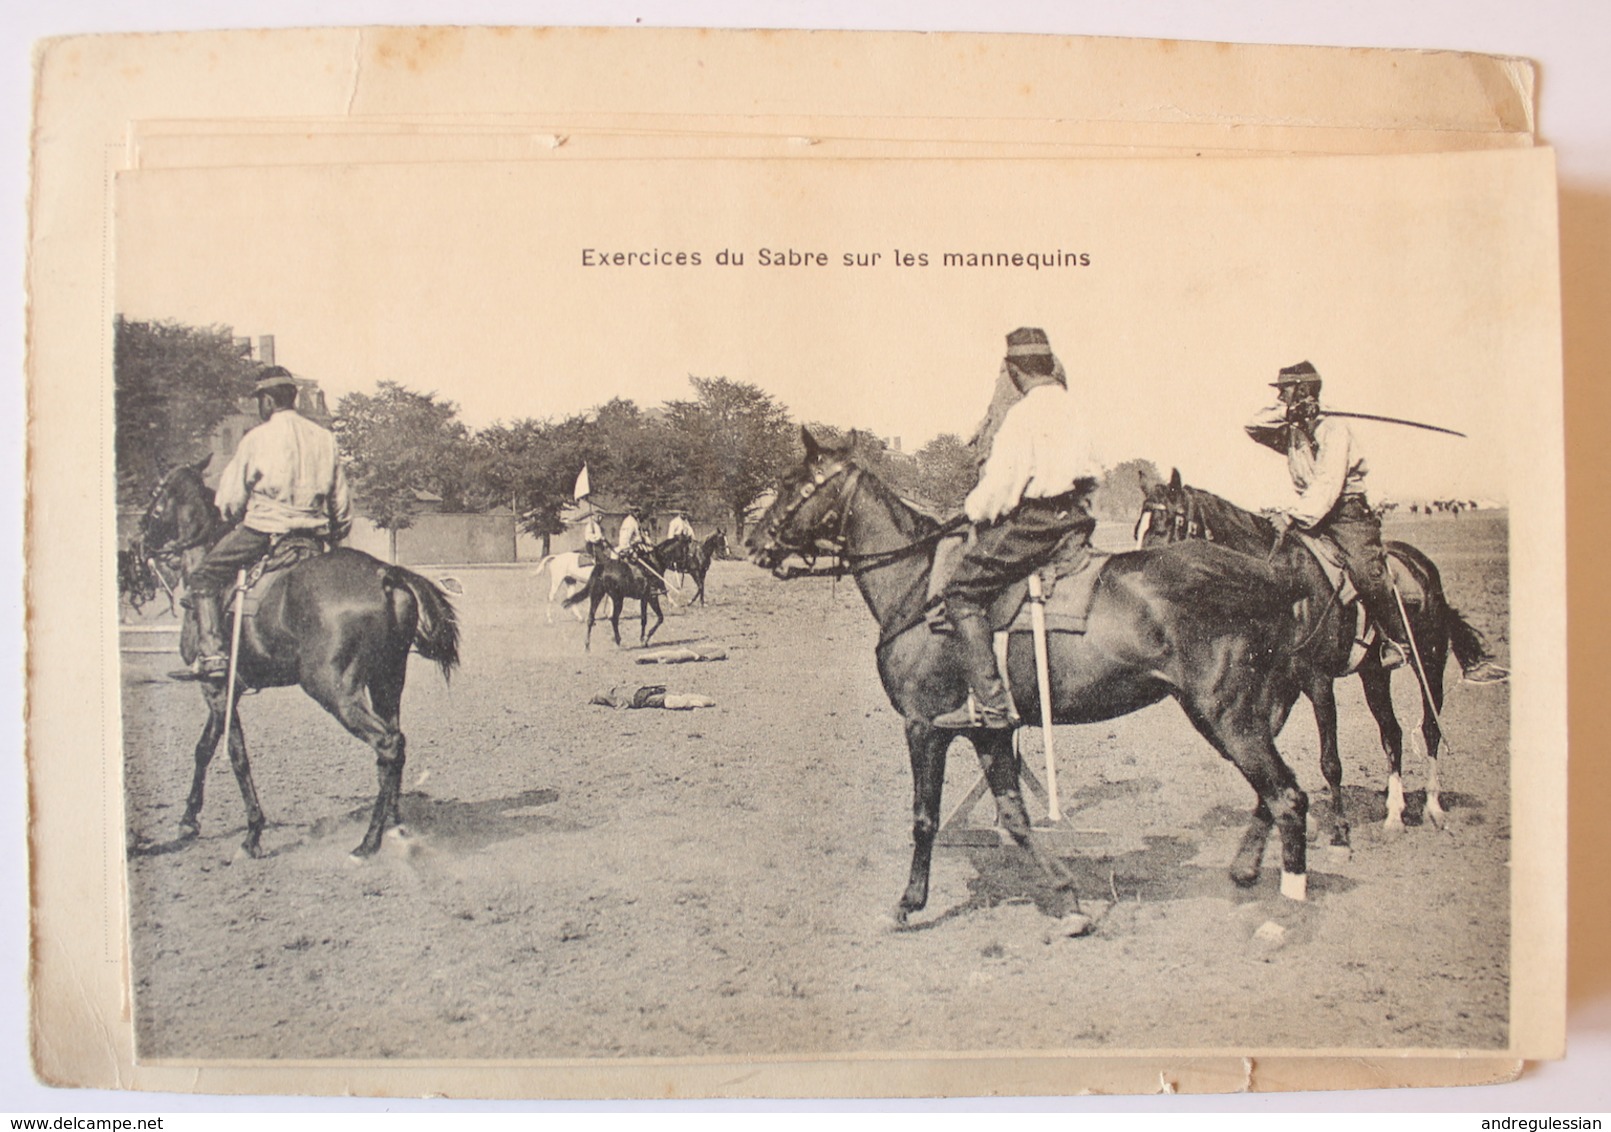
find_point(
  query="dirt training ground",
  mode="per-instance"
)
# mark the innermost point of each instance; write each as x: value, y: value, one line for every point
x: 584, y: 882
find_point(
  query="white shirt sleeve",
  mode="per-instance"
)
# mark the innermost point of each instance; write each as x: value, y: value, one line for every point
x: 233, y: 490
x: 1332, y: 458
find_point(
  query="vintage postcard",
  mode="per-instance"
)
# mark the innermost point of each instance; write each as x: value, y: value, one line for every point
x: 526, y: 859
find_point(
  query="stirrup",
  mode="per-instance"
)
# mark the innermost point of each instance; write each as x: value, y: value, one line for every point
x: 1392, y: 654
x: 212, y: 667
x: 973, y: 715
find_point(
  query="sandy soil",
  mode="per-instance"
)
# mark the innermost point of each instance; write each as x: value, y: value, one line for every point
x: 584, y: 882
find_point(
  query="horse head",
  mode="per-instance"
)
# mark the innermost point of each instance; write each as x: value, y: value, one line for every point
x: 1174, y: 512
x: 180, y: 512
x: 810, y: 504
x: 1166, y: 514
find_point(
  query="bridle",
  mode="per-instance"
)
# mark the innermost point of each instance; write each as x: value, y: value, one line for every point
x: 171, y: 549
x: 1176, y: 524
x: 839, y: 515
x: 803, y: 494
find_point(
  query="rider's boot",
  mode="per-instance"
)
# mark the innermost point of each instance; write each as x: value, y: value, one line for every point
x: 987, y: 705
x: 212, y: 660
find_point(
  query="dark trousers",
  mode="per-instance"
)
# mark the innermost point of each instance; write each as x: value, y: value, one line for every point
x: 1358, y: 534
x: 237, y: 550
x: 1013, y: 548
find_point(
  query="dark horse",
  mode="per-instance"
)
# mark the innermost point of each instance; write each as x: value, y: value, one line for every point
x: 339, y: 624
x: 1175, y: 512
x: 615, y: 578
x: 1206, y: 627
x: 691, y: 559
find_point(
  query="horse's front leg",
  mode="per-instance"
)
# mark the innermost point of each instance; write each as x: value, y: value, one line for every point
x: 927, y: 746
x: 592, y: 615
x: 999, y: 762
x: 1323, y: 698
x: 659, y: 618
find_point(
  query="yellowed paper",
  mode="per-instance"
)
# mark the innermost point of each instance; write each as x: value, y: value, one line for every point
x: 1189, y: 260
x: 560, y: 142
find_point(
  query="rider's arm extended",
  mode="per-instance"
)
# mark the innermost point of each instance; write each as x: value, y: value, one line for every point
x: 1269, y: 427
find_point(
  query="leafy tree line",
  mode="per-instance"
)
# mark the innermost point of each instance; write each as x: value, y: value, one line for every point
x: 718, y: 452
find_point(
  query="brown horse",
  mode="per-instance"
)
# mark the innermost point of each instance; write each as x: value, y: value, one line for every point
x: 617, y: 579
x: 1175, y: 513
x: 1205, y: 627
x: 691, y: 559
x: 339, y: 624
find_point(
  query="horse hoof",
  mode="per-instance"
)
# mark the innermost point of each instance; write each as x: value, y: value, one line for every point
x: 1393, y: 825
x: 1340, y: 854
x: 1295, y: 886
x: 189, y: 831
x: 1436, y: 816
x: 1244, y: 878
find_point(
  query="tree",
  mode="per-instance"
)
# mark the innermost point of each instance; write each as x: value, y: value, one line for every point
x: 946, y: 472
x: 398, y: 443
x: 1122, y: 489
x: 635, y: 457
x: 736, y: 440
x: 172, y: 385
x: 532, y: 464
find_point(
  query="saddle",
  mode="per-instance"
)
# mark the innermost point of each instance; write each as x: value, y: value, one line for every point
x: 1068, y: 581
x: 284, y: 553
x: 1329, y: 557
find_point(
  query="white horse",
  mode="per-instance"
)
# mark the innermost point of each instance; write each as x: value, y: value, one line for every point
x: 566, y: 573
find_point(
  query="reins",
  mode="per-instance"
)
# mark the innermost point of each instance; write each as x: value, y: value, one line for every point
x: 172, y: 549
x: 856, y: 564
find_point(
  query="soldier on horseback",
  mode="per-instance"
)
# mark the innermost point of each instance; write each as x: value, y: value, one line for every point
x: 1328, y: 473
x: 284, y: 479
x: 635, y: 548
x: 680, y: 528
x: 1031, y: 499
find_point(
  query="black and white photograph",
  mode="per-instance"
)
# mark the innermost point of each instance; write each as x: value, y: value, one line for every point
x: 603, y: 598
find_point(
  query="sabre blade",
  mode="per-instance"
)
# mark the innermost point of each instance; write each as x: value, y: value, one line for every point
x: 1392, y: 420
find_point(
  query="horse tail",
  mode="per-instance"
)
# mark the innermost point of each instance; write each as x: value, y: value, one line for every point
x: 582, y: 594
x: 1466, y: 640
x: 436, y: 628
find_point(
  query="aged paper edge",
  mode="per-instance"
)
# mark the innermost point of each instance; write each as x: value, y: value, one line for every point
x: 71, y: 164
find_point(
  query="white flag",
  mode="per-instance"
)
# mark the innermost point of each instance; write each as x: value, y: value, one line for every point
x: 583, y: 488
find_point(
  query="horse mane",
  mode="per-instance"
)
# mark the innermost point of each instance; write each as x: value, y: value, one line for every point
x: 908, y: 513
x: 1219, y: 515
x: 184, y: 483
